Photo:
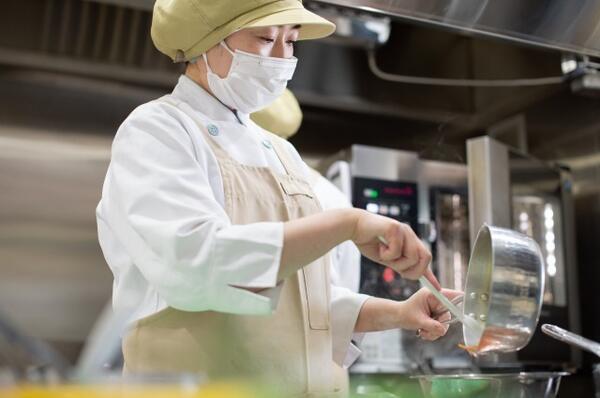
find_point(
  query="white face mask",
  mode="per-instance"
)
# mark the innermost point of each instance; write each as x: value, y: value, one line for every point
x: 253, y: 81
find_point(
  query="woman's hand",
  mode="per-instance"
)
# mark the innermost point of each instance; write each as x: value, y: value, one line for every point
x: 403, y: 251
x: 308, y: 238
x: 415, y: 313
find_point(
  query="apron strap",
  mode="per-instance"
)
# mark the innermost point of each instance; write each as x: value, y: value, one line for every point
x: 291, y: 167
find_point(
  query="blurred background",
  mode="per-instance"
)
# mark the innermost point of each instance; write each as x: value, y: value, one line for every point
x: 417, y: 78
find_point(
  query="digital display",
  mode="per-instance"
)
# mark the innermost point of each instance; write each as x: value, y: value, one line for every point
x: 405, y: 191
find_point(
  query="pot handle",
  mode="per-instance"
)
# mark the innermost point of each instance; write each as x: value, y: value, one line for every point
x: 571, y: 338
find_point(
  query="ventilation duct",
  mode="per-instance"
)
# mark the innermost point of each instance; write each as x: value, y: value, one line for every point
x: 570, y: 26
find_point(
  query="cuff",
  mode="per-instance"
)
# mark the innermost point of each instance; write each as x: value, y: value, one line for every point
x: 247, y: 256
x: 237, y: 300
x: 345, y: 307
x: 353, y: 350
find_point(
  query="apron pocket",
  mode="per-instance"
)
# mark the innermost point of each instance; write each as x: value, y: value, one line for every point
x: 317, y: 297
x: 296, y: 187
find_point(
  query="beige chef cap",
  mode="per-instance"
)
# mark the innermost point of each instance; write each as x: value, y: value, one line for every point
x: 184, y: 29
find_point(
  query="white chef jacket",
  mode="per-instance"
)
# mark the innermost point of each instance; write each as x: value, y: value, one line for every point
x: 162, y: 225
x: 345, y: 258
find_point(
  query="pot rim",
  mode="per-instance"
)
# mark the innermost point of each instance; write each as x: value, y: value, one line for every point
x: 476, y: 376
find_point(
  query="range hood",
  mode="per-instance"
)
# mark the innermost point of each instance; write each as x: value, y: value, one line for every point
x: 571, y: 26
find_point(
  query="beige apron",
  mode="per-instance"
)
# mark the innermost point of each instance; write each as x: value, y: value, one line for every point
x: 290, y: 349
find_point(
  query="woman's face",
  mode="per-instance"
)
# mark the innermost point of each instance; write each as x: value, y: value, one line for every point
x: 270, y: 41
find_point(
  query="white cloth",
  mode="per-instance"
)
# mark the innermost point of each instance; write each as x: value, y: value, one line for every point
x: 345, y: 258
x: 162, y: 225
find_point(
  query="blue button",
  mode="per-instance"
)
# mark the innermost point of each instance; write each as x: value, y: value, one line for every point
x: 267, y: 144
x: 213, y: 130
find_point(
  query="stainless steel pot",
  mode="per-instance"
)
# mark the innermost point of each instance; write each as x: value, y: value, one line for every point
x: 498, y: 385
x: 504, y: 289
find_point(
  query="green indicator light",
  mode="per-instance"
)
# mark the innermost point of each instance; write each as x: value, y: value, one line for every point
x: 371, y: 193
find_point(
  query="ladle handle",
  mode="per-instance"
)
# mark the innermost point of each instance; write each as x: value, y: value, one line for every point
x: 443, y: 299
x: 468, y: 321
x: 571, y: 338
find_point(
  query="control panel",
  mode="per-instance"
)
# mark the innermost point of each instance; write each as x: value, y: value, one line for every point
x: 398, y: 200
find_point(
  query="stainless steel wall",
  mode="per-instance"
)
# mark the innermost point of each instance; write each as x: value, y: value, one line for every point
x: 53, y: 278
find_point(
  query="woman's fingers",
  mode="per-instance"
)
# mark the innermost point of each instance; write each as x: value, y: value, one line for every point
x: 445, y: 317
x: 452, y: 294
x: 432, y: 329
x: 431, y: 278
x: 394, y: 245
x: 435, y: 305
x: 402, y: 250
x: 421, y: 267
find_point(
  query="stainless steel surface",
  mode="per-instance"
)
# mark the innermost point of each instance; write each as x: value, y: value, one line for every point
x: 489, y: 184
x: 434, y: 173
x: 572, y: 263
x: 358, y: 29
x: 383, y: 163
x: 53, y: 279
x: 443, y: 206
x: 492, y: 385
x: 451, y: 243
x: 570, y: 26
x: 505, y: 284
x: 571, y: 338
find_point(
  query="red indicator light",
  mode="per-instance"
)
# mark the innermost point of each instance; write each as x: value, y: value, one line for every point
x: 388, y: 275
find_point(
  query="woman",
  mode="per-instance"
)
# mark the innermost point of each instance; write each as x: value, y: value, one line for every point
x: 215, y: 239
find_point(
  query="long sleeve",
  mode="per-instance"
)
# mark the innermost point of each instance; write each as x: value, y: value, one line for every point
x: 345, y: 307
x: 158, y: 201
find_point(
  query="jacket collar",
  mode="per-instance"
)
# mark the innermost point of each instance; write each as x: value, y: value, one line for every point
x: 202, y: 101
